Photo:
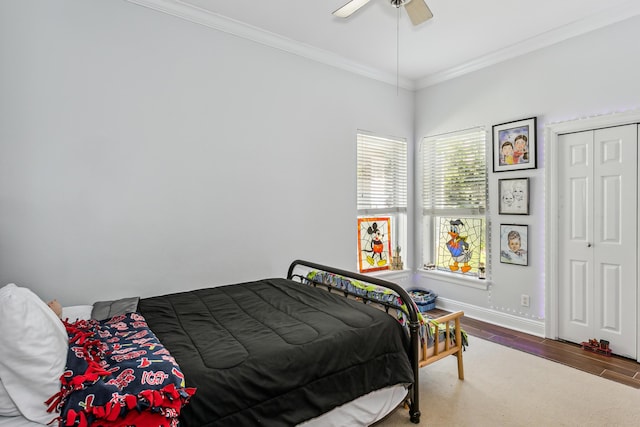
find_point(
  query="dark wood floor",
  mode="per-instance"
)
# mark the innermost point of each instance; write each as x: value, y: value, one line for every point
x: 615, y: 368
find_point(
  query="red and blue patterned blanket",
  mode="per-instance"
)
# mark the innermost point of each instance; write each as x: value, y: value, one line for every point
x: 119, y: 374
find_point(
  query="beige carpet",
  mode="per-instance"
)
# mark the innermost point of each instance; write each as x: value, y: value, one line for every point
x: 507, y: 387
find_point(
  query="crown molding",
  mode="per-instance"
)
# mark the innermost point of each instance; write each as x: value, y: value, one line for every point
x: 240, y: 29
x: 591, y: 23
x: 219, y: 22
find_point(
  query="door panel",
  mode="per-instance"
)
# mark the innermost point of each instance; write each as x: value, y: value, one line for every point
x: 575, y: 302
x: 598, y: 237
x: 578, y: 296
x: 615, y: 228
x: 578, y: 206
x: 610, y: 298
x: 611, y: 209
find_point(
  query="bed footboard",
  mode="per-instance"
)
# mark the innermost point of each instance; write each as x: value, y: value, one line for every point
x: 407, y: 307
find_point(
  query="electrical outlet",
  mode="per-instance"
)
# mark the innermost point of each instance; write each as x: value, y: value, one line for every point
x: 524, y: 300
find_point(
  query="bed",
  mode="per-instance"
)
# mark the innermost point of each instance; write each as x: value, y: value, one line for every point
x: 285, y: 351
x: 280, y: 352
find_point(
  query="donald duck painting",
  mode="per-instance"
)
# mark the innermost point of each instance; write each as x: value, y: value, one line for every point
x: 458, y: 247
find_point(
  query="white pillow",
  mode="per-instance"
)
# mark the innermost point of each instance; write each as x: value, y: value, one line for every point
x: 7, y: 407
x: 33, y: 351
x: 77, y: 312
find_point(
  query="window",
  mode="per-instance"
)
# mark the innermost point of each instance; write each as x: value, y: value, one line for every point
x: 454, y: 193
x: 382, y: 201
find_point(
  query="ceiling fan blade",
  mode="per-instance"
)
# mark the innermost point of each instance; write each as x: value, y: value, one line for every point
x: 418, y: 11
x: 349, y: 8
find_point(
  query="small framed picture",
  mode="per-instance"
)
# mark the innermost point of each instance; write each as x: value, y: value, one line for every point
x: 514, y: 244
x: 514, y: 145
x: 513, y: 196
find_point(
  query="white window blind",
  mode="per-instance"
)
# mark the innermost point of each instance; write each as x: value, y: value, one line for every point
x: 382, y: 173
x: 455, y: 173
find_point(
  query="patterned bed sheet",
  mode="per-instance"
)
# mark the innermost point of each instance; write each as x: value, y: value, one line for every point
x: 428, y: 326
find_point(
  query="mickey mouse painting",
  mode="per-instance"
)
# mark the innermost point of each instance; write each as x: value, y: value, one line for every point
x: 377, y: 246
x: 374, y: 243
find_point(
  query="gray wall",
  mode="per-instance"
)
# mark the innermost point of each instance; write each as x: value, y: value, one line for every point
x: 590, y: 75
x: 141, y: 153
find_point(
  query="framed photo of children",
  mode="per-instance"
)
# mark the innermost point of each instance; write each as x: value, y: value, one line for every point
x: 514, y: 244
x: 514, y: 196
x: 514, y: 145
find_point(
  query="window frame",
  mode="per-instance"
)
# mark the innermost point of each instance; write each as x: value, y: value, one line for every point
x: 372, y: 205
x: 435, y: 202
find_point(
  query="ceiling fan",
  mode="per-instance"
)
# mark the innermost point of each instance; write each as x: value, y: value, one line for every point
x: 417, y: 10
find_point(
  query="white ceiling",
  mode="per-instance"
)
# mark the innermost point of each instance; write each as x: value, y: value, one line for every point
x: 377, y: 41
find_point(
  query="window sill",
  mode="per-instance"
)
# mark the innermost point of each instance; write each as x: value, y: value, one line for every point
x: 387, y: 274
x: 456, y: 279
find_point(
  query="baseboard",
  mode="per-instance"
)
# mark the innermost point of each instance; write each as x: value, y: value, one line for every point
x: 528, y: 326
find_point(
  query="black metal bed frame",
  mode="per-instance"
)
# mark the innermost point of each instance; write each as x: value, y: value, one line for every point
x: 408, y: 308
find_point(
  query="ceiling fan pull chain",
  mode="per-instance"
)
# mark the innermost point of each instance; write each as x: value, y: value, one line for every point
x: 397, y: 51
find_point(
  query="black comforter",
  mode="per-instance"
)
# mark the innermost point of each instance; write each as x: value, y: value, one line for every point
x: 275, y: 352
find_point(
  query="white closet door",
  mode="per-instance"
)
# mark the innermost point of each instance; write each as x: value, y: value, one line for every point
x: 598, y: 227
x: 576, y: 317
